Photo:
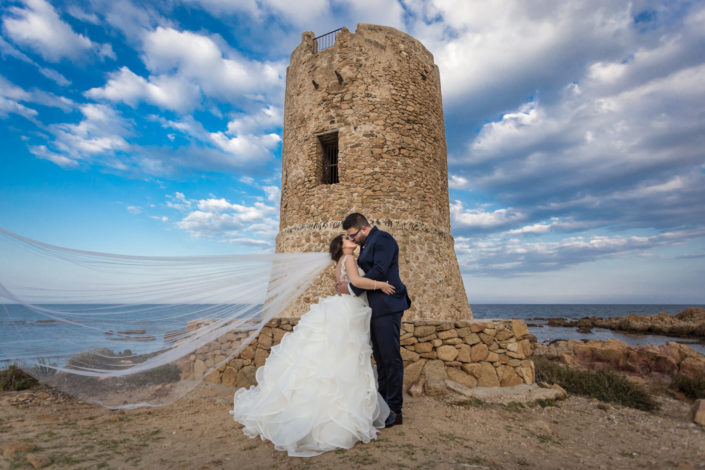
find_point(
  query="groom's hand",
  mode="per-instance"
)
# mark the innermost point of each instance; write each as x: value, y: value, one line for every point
x: 341, y: 288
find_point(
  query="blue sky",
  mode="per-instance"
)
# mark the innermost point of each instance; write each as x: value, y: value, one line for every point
x: 575, y: 133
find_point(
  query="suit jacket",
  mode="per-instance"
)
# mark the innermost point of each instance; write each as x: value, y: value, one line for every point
x: 379, y: 258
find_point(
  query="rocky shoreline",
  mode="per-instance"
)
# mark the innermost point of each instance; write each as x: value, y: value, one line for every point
x: 688, y: 323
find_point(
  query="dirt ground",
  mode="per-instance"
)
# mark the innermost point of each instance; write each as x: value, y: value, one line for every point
x: 44, y: 428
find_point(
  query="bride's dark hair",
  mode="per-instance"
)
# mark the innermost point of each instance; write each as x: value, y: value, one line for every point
x: 336, y: 248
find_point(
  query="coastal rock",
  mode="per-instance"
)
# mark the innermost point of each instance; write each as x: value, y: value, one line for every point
x: 693, y: 367
x: 664, y: 360
x: 692, y: 314
x: 699, y: 412
x: 689, y: 322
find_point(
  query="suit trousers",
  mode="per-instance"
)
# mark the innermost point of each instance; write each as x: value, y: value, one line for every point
x: 384, y: 332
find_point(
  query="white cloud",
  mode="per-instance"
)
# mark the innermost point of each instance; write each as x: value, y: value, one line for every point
x: 12, y: 97
x: 255, y: 224
x: 462, y: 218
x: 163, y: 91
x: 502, y: 255
x: 457, y: 182
x: 245, y: 149
x: 199, y: 60
x: 100, y: 134
x: 39, y: 27
x: 499, y: 46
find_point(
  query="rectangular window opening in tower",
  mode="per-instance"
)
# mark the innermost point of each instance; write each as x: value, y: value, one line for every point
x: 329, y: 147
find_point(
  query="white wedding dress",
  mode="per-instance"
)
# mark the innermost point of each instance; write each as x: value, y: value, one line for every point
x: 317, y: 391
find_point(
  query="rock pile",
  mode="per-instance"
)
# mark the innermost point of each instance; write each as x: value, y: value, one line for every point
x: 471, y: 353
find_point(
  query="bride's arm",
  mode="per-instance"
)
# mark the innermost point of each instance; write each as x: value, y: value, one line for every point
x: 362, y: 282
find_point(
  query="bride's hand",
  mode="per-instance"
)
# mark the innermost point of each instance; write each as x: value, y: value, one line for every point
x: 386, y: 287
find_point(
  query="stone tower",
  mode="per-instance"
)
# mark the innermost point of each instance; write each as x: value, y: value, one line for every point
x: 364, y: 132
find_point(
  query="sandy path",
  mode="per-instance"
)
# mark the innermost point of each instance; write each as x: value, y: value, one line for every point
x: 197, y: 433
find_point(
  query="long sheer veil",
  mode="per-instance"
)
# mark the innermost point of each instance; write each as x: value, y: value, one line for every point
x: 127, y: 331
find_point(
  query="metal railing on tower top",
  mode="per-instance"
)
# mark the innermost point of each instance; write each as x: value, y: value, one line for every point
x: 324, y: 41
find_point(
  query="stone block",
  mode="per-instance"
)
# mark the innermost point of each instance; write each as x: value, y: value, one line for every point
x: 457, y: 375
x: 452, y: 333
x: 229, y: 377
x: 699, y: 412
x: 435, y: 375
x: 409, y: 341
x: 487, y: 339
x: 464, y: 353
x: 519, y: 329
x: 424, y: 330
x: 472, y: 369
x: 277, y: 335
x: 248, y: 352
x: 503, y: 334
x: 213, y: 377
x: 487, y: 377
x: 412, y: 373
x: 463, y: 332
x: 472, y: 339
x: 246, y: 376
x: 479, y: 352
x: 509, y: 377
x: 447, y: 353
x: 261, y: 356
x: 408, y: 355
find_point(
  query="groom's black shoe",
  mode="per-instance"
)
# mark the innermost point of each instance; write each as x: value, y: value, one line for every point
x: 393, y: 419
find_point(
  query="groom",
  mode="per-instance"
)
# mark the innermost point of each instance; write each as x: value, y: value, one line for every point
x: 379, y: 258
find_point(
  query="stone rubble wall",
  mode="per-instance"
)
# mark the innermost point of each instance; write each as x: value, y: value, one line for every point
x: 380, y: 90
x: 488, y: 353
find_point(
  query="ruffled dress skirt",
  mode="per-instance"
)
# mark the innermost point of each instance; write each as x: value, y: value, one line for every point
x: 317, y: 390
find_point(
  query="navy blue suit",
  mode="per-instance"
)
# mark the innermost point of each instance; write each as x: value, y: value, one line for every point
x: 379, y: 258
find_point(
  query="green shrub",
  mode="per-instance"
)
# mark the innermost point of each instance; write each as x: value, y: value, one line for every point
x: 14, y: 378
x: 691, y: 388
x: 604, y: 385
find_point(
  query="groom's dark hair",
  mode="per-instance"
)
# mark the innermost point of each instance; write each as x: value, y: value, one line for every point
x: 355, y: 220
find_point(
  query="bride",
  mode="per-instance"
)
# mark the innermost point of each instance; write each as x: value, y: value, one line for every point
x: 317, y: 391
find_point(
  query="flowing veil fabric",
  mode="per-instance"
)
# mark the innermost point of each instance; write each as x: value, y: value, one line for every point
x: 127, y: 331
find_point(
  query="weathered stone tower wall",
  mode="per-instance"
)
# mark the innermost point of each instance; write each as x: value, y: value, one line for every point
x: 379, y: 89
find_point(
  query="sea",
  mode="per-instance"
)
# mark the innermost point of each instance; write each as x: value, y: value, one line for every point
x: 535, y: 315
x: 24, y: 332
